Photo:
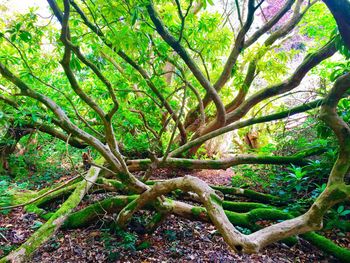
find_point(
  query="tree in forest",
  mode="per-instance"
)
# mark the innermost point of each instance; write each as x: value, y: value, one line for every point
x: 144, y: 84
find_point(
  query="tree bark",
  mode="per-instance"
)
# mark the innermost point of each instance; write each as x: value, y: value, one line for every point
x: 340, y: 9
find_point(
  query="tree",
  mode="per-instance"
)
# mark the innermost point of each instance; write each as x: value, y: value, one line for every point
x: 340, y: 10
x: 122, y: 79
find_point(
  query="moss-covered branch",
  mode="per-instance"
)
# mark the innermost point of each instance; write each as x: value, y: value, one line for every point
x: 92, y: 212
x: 328, y: 246
x: 239, y: 214
x: 22, y: 253
x: 180, y: 163
x: 38, y: 199
x: 251, y: 194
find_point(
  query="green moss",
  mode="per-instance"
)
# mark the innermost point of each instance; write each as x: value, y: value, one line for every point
x: 34, y: 209
x: 216, y: 199
x: 198, y: 211
x: 64, y: 192
x: 184, y: 163
x: 170, y: 201
x: 242, y: 207
x: 216, y: 165
x: 267, y: 214
x: 151, y: 182
x: 238, y: 219
x: 338, y: 192
x: 47, y: 216
x: 131, y: 206
x: 116, y: 184
x: 55, y: 221
x: 23, y: 197
x: 89, y: 214
x: 254, y: 196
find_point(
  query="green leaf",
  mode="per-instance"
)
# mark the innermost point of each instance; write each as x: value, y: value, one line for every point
x: 25, y: 36
x: 13, y: 37
x: 75, y: 64
x: 18, y: 26
x: 344, y: 213
x: 134, y: 16
x: 340, y: 209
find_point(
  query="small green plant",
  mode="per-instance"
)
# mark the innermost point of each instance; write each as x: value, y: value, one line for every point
x: 296, y: 172
x: 116, y: 239
x: 6, y: 249
x: 319, y: 189
x: 267, y: 149
x: 129, y: 241
x: 175, y: 251
x: 53, y: 244
x: 144, y: 245
x: 239, y: 181
x: 244, y: 230
x: 297, y: 177
x: 5, y: 196
x: 341, y: 211
x: 170, y: 235
x: 109, y: 243
x: 251, y: 175
x: 338, y: 218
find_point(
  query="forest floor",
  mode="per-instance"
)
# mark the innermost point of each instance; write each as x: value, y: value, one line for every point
x: 175, y: 240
